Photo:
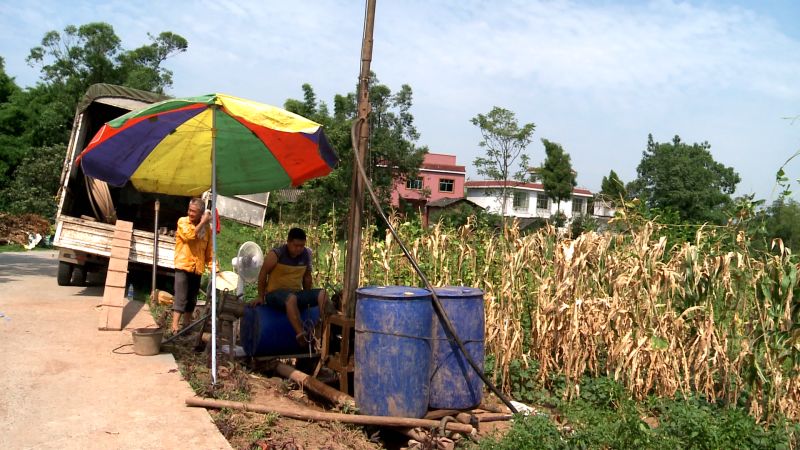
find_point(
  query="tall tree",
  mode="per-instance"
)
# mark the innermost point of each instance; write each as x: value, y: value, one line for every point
x: 558, y: 178
x: 12, y: 120
x: 93, y: 53
x: 612, y: 189
x: 36, y: 121
x: 505, y: 141
x: 393, y: 151
x: 684, y: 178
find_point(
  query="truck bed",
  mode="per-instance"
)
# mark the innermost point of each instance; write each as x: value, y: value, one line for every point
x: 95, y: 238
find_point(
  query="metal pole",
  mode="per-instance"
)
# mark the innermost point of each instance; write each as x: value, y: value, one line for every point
x: 353, y: 251
x: 153, y: 292
x: 214, y: 246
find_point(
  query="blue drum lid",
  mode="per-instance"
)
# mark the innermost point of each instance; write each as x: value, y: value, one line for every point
x: 393, y: 292
x: 457, y: 291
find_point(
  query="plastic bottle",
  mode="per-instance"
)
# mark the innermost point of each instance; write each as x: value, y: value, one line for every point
x: 130, y: 292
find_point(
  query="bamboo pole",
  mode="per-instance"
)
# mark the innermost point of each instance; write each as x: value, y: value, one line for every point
x: 337, y: 397
x: 295, y: 413
x: 353, y: 251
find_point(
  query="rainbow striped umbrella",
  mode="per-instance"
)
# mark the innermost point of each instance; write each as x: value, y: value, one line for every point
x: 186, y: 146
x: 177, y: 146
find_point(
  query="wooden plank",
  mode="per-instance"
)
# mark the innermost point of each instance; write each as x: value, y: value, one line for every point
x: 121, y: 253
x: 114, y: 296
x: 121, y: 243
x: 122, y: 234
x: 102, y: 318
x: 124, y: 225
x: 113, y: 318
x: 116, y: 279
x: 118, y: 265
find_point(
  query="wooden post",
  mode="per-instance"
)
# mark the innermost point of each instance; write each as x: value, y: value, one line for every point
x: 336, y: 397
x: 353, y: 250
x: 153, y: 291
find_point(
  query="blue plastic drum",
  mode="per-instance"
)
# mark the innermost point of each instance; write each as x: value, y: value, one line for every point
x: 266, y: 331
x: 393, y: 350
x: 454, y: 384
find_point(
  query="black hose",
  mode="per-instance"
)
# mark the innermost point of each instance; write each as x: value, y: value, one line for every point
x: 448, y: 326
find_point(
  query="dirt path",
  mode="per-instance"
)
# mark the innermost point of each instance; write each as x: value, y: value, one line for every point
x: 62, y: 387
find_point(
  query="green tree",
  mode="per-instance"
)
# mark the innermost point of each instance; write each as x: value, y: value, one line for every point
x: 12, y: 121
x: 556, y: 172
x: 783, y: 221
x: 35, y: 183
x: 35, y: 120
x: 685, y: 178
x: 393, y: 152
x: 612, y: 189
x: 93, y: 53
x: 505, y: 141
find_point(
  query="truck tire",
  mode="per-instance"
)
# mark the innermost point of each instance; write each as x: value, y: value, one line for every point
x: 64, y: 276
x: 79, y: 276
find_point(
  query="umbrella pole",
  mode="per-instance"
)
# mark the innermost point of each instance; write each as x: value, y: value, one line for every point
x: 214, y: 246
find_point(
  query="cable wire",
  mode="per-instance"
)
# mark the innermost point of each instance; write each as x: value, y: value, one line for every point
x: 448, y: 326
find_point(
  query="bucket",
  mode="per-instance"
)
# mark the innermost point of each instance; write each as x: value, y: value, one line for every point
x: 266, y: 331
x: 454, y: 384
x: 393, y: 350
x: 147, y: 341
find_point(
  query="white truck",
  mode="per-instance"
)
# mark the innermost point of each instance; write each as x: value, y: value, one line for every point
x: 89, y: 208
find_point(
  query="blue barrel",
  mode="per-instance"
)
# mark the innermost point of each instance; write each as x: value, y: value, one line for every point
x: 393, y: 350
x: 454, y: 384
x: 266, y: 331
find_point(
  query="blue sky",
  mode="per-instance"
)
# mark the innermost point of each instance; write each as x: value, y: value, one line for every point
x: 595, y: 76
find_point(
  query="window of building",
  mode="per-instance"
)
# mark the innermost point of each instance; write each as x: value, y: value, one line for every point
x: 577, y: 205
x: 446, y: 185
x: 542, y: 202
x: 521, y: 200
x: 415, y: 184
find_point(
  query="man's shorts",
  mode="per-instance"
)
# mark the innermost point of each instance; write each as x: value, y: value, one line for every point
x: 305, y: 299
x: 187, y: 285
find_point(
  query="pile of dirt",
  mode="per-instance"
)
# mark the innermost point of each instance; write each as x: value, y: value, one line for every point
x: 15, y: 229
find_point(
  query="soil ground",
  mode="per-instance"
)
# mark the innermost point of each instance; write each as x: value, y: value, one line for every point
x: 66, y: 385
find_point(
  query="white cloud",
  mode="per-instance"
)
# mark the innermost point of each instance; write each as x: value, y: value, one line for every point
x: 595, y: 77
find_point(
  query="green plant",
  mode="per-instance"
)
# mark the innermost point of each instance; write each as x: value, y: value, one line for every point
x: 528, y: 432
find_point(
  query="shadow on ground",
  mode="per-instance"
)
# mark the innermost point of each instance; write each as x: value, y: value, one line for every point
x: 18, y: 265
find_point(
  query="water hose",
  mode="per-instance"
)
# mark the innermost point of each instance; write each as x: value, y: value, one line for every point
x: 437, y: 305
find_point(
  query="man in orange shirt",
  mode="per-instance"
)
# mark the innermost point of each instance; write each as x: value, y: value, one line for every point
x: 192, y: 255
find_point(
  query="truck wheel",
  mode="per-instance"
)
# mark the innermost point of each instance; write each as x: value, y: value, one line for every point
x: 64, y: 273
x: 79, y: 276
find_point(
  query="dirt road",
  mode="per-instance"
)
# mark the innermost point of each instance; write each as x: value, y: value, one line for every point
x: 62, y: 387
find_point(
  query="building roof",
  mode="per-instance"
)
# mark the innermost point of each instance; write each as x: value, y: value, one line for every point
x: 447, y: 167
x: 518, y: 184
x: 444, y: 202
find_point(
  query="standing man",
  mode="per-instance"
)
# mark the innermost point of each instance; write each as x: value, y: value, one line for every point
x: 285, y: 282
x: 192, y: 255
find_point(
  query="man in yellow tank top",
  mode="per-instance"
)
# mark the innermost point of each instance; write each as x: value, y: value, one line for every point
x: 285, y: 281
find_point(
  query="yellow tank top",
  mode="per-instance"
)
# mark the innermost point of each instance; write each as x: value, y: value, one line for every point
x: 288, y: 272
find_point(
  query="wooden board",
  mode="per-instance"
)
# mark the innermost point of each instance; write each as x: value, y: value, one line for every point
x: 96, y: 238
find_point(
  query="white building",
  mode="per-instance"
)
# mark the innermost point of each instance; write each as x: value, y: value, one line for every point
x: 526, y: 200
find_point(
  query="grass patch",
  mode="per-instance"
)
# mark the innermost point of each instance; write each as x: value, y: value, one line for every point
x: 604, y: 416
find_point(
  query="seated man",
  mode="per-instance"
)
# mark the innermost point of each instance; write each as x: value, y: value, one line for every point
x: 285, y: 282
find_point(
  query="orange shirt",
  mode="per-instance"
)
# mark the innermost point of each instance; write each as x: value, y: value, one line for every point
x: 192, y: 253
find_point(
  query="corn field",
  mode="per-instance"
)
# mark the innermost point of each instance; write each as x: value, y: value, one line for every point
x: 692, y: 319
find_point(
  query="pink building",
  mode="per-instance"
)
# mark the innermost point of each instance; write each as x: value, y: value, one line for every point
x: 439, y: 177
